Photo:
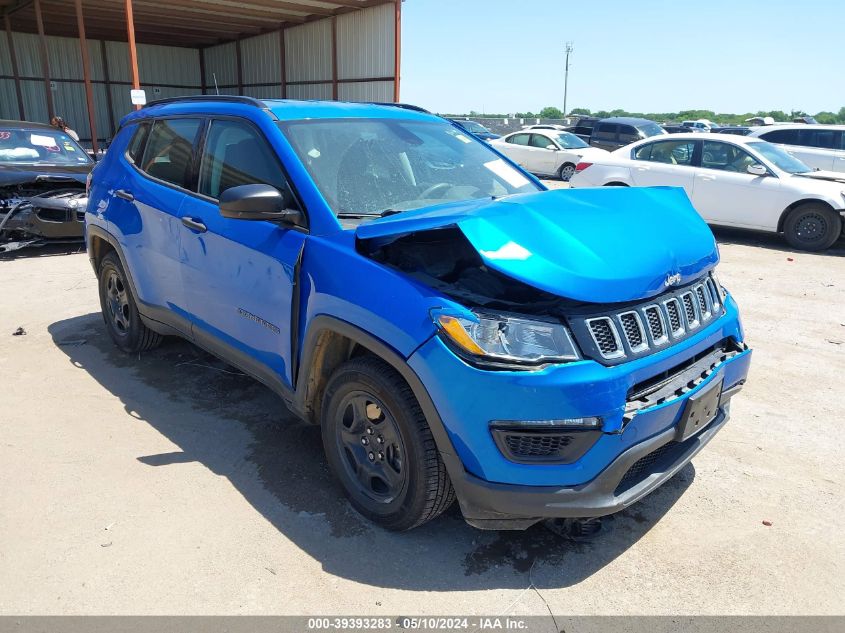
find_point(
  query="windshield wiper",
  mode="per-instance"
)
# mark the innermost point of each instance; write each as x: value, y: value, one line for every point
x: 379, y: 214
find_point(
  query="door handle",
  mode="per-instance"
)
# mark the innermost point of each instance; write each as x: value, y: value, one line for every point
x: 126, y: 195
x: 707, y: 177
x: 642, y: 168
x: 194, y: 225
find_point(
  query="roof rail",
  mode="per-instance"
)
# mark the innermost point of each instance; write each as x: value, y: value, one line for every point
x: 230, y: 98
x: 406, y: 106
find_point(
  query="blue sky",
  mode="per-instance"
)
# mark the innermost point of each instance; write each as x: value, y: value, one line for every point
x: 645, y: 55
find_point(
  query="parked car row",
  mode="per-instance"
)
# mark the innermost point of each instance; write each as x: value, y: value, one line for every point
x: 733, y: 181
x: 546, y: 152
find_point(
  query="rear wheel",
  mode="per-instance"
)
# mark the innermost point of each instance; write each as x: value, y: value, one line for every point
x: 616, y: 184
x: 566, y: 171
x: 379, y: 445
x: 812, y: 227
x: 120, y: 312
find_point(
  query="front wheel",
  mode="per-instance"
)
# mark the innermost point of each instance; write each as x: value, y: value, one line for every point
x: 379, y: 445
x: 566, y: 172
x: 120, y: 312
x: 812, y: 227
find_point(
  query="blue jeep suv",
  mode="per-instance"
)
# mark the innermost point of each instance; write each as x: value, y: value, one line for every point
x: 454, y: 328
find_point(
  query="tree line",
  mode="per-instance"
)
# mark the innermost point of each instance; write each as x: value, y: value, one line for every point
x: 552, y: 112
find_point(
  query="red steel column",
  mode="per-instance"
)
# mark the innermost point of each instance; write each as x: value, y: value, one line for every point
x: 86, y: 75
x: 397, y: 47
x: 334, y: 57
x: 15, y: 73
x: 45, y: 60
x: 133, y: 53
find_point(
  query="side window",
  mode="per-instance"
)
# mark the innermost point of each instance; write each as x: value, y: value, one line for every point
x: 135, y: 149
x: 605, y: 131
x: 519, y: 139
x: 538, y: 140
x: 628, y: 134
x: 237, y: 154
x: 814, y: 137
x: 787, y: 137
x: 671, y: 152
x: 725, y: 157
x: 644, y: 152
x: 169, y: 152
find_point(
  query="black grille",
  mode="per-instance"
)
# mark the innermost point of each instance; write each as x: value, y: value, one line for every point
x: 655, y: 324
x: 674, y: 315
x: 702, y: 301
x: 536, y: 445
x: 632, y: 329
x: 603, y: 334
x: 689, y: 308
x: 714, y: 293
x: 647, y: 465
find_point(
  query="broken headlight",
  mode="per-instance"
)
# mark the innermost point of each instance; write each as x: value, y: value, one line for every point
x: 508, y: 339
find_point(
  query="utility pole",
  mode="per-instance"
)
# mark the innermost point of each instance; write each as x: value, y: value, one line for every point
x: 568, y: 49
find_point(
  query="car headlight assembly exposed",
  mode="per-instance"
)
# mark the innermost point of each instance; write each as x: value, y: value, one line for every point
x: 508, y: 339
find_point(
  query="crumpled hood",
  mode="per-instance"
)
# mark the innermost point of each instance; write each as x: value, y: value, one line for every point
x: 595, y: 245
x: 22, y: 174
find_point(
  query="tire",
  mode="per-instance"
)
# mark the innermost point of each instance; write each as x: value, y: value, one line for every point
x: 812, y: 227
x: 566, y: 171
x: 616, y: 184
x: 379, y: 446
x: 120, y: 312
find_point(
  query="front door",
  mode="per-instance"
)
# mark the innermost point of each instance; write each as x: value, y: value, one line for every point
x: 543, y: 153
x: 239, y: 275
x: 725, y: 193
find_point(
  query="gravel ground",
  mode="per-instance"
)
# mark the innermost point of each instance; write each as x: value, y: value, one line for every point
x: 170, y: 484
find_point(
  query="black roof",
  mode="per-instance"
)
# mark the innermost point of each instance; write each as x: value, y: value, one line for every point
x: 13, y: 123
x: 627, y: 120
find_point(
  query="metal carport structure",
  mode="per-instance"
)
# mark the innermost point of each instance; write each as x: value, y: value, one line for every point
x: 80, y: 58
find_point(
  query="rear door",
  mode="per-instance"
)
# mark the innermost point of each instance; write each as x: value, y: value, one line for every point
x: 665, y: 163
x: 725, y: 193
x: 605, y: 136
x: 147, y: 220
x: 239, y: 275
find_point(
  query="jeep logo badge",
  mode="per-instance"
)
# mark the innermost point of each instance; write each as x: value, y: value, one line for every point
x: 673, y: 279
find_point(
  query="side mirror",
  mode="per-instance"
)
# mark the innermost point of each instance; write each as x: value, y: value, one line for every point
x: 258, y: 202
x: 550, y: 146
x: 757, y: 170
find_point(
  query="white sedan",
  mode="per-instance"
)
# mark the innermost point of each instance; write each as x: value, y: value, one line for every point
x: 732, y: 181
x: 547, y: 152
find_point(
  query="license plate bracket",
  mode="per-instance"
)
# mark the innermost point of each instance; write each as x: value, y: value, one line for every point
x: 700, y: 410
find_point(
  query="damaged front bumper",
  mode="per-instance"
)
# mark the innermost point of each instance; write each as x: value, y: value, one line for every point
x: 645, y: 437
x: 56, y: 216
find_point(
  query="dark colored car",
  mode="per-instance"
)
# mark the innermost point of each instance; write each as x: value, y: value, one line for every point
x: 616, y: 132
x: 42, y: 185
x: 677, y: 129
x: 475, y: 128
x: 583, y: 129
x: 739, y: 130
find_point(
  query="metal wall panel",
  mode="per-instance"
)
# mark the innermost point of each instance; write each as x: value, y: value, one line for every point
x: 34, y: 100
x: 260, y: 59
x: 169, y: 65
x: 8, y: 100
x: 65, y: 58
x: 308, y: 52
x: 365, y: 43
x: 222, y: 61
x: 378, y: 91
x: 310, y: 91
x: 264, y: 92
x: 27, y: 52
x: 5, y: 56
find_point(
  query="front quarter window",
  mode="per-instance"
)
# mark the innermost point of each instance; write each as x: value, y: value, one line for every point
x: 366, y: 167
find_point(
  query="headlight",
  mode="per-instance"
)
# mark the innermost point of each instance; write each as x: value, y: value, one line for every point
x: 509, y: 339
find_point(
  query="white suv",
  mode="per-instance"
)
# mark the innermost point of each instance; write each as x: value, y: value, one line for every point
x: 819, y: 146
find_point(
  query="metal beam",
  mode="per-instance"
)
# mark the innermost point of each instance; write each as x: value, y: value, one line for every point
x: 283, y: 72
x: 86, y: 75
x: 15, y: 72
x: 239, y: 62
x: 334, y: 57
x: 397, y: 47
x: 133, y: 52
x: 107, y: 81
x: 45, y: 60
